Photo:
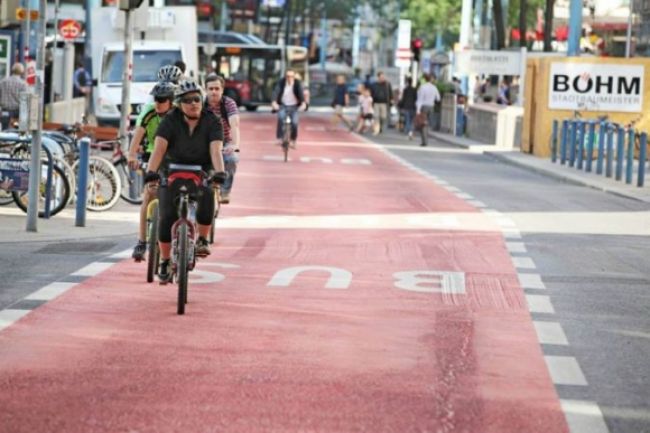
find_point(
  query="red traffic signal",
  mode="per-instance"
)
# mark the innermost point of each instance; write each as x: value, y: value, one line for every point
x: 416, y: 46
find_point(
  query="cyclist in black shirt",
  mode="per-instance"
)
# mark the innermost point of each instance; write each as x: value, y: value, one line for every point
x: 187, y: 135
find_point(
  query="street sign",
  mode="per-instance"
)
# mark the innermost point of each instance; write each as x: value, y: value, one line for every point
x: 403, y: 51
x: 33, y: 14
x: 69, y: 29
x: 21, y: 14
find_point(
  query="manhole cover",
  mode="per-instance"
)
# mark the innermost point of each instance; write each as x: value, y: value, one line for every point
x: 77, y: 248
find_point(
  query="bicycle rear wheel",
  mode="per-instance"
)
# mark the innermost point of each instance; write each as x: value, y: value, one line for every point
x: 152, y: 241
x: 103, y: 184
x: 132, y: 182
x: 5, y: 197
x: 181, y: 267
x: 59, y: 192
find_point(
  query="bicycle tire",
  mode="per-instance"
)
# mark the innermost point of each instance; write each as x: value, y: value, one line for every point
x: 153, y: 252
x: 103, y: 177
x: 61, y: 194
x: 181, y: 267
x: 70, y: 175
x: 126, y: 180
x: 285, y: 149
x: 6, y: 197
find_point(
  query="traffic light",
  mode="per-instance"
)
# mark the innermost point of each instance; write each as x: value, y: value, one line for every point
x: 416, y: 47
x: 129, y: 5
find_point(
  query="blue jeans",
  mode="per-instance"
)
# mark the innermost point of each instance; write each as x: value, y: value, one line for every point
x: 409, y: 115
x: 292, y: 110
x: 230, y: 164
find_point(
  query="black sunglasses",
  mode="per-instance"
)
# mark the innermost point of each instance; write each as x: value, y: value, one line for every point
x: 161, y: 99
x: 190, y: 99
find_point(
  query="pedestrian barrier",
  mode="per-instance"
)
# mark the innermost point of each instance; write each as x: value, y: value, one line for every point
x: 579, y: 143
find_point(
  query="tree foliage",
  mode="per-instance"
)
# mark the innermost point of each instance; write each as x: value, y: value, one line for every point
x: 430, y: 16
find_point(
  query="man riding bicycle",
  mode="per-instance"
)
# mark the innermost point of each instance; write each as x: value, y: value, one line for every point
x: 146, y: 127
x: 289, y: 98
x: 191, y: 135
x: 225, y: 109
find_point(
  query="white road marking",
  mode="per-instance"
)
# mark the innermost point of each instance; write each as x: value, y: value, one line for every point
x: 477, y: 203
x: 550, y: 333
x: 122, y: 255
x: 511, y: 234
x: 464, y: 196
x: 9, y: 316
x: 565, y: 370
x: 50, y: 291
x: 523, y: 263
x: 583, y: 416
x: 505, y: 222
x: 540, y: 304
x: 451, y: 188
x: 516, y: 247
x: 531, y: 281
x: 93, y: 269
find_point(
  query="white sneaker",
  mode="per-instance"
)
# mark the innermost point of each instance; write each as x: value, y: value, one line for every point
x: 224, y: 198
x: 292, y: 144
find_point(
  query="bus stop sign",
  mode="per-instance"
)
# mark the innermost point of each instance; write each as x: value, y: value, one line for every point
x: 69, y: 29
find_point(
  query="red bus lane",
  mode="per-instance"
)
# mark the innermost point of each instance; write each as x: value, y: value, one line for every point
x: 345, y: 293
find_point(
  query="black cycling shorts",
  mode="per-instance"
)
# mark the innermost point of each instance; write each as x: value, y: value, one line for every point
x: 169, y: 212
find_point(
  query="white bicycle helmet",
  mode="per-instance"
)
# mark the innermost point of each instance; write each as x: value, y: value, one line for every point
x: 187, y: 86
x: 170, y: 73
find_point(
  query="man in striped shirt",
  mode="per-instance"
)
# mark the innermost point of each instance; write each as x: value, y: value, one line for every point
x: 226, y: 110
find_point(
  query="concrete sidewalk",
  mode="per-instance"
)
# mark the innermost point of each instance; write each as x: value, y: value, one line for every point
x: 61, y: 227
x: 545, y: 167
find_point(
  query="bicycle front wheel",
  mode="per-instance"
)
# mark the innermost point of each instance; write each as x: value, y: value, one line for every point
x: 59, y: 192
x: 181, y: 267
x: 132, y: 182
x: 152, y: 241
x: 103, y: 184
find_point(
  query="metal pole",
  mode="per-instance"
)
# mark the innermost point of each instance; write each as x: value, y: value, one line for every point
x: 224, y: 16
x: 601, y: 147
x: 590, y: 146
x: 581, y: 144
x: 643, y: 151
x: 323, y: 39
x: 82, y: 182
x: 355, y: 41
x: 465, y: 35
x: 628, y: 40
x: 575, y: 27
x: 620, y: 149
x: 554, y: 142
x: 126, y: 78
x: 563, y: 142
x: 54, y: 46
x: 35, y: 166
x: 629, y: 168
x: 610, y: 151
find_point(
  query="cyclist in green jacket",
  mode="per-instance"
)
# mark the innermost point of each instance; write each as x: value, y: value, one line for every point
x: 146, y: 127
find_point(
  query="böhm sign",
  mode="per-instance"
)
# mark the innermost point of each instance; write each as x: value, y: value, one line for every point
x: 596, y: 87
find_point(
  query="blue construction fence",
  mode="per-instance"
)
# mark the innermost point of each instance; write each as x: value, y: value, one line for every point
x: 609, y: 149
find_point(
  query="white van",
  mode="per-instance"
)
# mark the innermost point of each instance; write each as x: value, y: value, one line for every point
x: 148, y: 58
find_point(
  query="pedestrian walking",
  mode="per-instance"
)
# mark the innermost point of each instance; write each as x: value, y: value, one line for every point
x: 427, y: 97
x: 503, y: 96
x: 10, y: 89
x: 366, y: 112
x: 382, y: 95
x: 407, y: 105
x: 340, y: 101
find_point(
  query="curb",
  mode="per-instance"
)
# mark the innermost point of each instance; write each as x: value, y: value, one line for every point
x: 567, y: 178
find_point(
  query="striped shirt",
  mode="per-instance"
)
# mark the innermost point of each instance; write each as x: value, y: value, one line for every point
x: 10, y: 90
x: 230, y: 111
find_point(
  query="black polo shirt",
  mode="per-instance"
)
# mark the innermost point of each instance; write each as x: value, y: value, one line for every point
x: 183, y: 148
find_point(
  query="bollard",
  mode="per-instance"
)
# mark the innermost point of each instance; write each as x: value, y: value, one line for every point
x: 620, y: 148
x: 643, y: 151
x: 581, y: 144
x: 601, y: 147
x: 590, y: 145
x: 554, y: 142
x: 82, y: 181
x: 610, y: 150
x: 629, y: 169
x: 563, y: 140
x: 572, y: 143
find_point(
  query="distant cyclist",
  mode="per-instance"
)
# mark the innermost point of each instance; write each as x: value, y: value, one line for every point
x: 226, y: 110
x: 192, y: 135
x: 142, y: 143
x: 289, y: 98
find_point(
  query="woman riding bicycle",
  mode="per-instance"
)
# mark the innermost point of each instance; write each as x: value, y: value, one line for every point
x: 146, y: 126
x: 187, y: 135
x: 289, y: 98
